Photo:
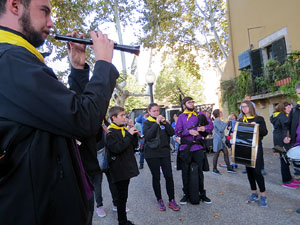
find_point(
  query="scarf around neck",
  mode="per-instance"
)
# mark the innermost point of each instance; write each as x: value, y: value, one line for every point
x: 190, y: 113
x: 116, y: 127
x: 14, y: 39
x: 246, y: 118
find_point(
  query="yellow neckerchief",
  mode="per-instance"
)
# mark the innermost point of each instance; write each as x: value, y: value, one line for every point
x: 14, y: 39
x: 298, y: 103
x: 116, y: 127
x: 245, y: 119
x: 190, y: 113
x: 275, y: 114
x: 151, y: 119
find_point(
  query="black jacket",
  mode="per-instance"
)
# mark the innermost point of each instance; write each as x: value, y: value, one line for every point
x: 280, y: 130
x: 150, y: 131
x: 292, y: 123
x: 39, y: 120
x: 122, y: 163
x: 88, y: 146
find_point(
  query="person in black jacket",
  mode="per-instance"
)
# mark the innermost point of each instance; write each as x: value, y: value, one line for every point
x: 254, y: 174
x: 157, y: 132
x: 279, y: 119
x: 292, y: 125
x: 41, y: 172
x: 122, y: 164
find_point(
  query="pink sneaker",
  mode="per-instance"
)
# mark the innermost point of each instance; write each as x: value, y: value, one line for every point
x: 297, y: 182
x: 290, y: 186
x: 100, y: 211
x: 173, y: 205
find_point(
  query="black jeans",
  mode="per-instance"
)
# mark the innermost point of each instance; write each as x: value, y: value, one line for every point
x: 91, y: 209
x: 285, y: 171
x: 197, y: 157
x: 226, y: 158
x: 122, y: 190
x: 165, y: 164
x: 255, y: 176
x: 97, y: 183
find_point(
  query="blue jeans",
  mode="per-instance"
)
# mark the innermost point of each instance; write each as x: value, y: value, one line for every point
x: 142, y: 158
x: 176, y: 144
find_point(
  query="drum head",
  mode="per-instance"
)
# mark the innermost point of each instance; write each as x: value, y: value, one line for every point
x: 294, y: 153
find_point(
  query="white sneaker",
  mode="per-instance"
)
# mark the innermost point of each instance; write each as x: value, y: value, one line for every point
x: 100, y: 211
x: 115, y: 209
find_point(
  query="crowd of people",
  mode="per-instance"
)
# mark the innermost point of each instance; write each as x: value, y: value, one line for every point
x: 50, y: 134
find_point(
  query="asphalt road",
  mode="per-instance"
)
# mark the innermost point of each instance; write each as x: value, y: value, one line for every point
x: 228, y: 193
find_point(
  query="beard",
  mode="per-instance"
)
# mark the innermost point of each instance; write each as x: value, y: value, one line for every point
x: 189, y: 109
x: 33, y: 37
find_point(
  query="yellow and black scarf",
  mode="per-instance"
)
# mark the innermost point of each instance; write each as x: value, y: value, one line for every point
x: 190, y: 113
x: 246, y: 118
x: 14, y: 39
x: 151, y: 119
x: 116, y: 127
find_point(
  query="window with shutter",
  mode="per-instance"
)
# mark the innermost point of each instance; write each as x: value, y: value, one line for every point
x: 244, y: 59
x: 256, y: 65
x: 279, y: 50
x: 256, y: 62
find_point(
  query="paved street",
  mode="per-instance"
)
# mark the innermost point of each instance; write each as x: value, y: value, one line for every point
x: 228, y: 193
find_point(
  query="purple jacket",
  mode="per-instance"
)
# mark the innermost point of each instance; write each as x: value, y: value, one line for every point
x: 184, y: 124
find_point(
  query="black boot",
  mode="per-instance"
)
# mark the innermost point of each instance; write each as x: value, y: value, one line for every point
x: 204, y: 198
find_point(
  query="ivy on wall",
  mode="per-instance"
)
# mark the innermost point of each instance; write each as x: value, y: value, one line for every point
x: 234, y: 90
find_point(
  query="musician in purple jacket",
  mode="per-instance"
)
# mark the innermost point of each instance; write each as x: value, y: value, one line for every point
x: 192, y: 148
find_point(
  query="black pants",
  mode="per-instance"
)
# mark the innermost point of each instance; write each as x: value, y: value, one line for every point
x: 122, y: 190
x: 197, y: 157
x: 255, y: 176
x: 165, y: 164
x: 226, y: 158
x: 285, y: 171
x: 91, y: 209
x: 97, y: 183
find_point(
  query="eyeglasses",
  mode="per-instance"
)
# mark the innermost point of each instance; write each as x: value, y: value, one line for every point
x: 244, y: 106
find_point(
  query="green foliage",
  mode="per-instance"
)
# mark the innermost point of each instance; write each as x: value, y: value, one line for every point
x: 261, y: 84
x: 68, y: 16
x: 230, y: 94
x: 292, y: 68
x: 244, y: 83
x: 175, y: 26
x: 234, y: 90
x: 173, y: 77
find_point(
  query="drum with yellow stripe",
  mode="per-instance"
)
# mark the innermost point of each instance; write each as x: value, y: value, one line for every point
x: 245, y: 144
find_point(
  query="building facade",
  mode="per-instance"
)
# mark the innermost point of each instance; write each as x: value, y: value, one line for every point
x: 260, y: 30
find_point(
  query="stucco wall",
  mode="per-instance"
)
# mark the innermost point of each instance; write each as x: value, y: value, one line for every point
x: 275, y: 18
x: 270, y: 15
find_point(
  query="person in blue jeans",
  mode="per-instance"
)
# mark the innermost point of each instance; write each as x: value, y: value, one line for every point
x: 174, y: 137
x: 141, y: 119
